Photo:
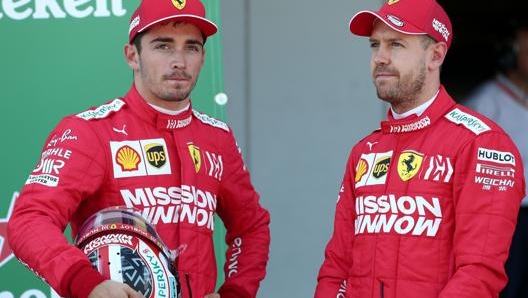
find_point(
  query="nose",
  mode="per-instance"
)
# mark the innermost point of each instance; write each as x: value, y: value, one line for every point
x: 381, y: 55
x: 177, y: 59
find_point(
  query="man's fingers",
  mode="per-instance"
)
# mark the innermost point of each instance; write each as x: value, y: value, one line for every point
x: 131, y: 293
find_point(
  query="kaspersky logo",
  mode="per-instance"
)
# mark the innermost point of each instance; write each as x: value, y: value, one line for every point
x: 5, y: 251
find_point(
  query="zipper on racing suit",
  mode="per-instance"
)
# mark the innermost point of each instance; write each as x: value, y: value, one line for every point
x: 382, y: 289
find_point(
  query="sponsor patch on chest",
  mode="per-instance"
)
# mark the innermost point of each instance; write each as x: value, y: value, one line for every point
x: 372, y: 168
x: 140, y: 158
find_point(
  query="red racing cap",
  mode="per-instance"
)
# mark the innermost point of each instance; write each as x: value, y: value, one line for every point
x: 407, y: 16
x: 152, y: 12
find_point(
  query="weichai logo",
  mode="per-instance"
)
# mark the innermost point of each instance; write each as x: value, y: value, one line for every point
x: 404, y: 215
x: 60, y: 9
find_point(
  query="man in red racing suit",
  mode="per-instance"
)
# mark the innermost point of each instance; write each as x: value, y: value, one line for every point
x: 429, y: 202
x: 424, y: 219
x: 178, y: 170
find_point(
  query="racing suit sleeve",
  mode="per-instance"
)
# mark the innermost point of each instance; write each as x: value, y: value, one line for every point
x: 247, y: 228
x: 331, y: 280
x: 485, y: 215
x: 68, y: 171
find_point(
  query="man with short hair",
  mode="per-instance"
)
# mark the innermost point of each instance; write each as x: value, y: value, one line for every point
x: 429, y: 201
x: 150, y: 151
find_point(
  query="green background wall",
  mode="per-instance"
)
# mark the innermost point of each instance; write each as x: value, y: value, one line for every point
x: 59, y: 57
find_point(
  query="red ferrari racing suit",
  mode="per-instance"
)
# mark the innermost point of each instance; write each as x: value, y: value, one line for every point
x: 427, y: 209
x: 178, y: 170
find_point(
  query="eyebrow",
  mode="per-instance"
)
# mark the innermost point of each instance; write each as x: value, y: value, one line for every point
x: 170, y: 39
x: 388, y: 40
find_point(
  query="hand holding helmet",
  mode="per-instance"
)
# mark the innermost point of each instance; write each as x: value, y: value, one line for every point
x: 114, y: 289
x: 125, y: 248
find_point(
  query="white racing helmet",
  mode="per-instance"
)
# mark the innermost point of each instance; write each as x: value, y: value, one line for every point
x: 123, y: 246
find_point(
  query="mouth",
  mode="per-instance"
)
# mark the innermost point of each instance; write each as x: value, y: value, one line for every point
x: 382, y: 72
x: 177, y: 77
x: 382, y: 77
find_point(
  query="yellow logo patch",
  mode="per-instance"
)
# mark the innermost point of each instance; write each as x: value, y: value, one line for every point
x: 361, y: 169
x: 127, y: 158
x: 409, y: 163
x: 179, y: 4
x: 195, y: 155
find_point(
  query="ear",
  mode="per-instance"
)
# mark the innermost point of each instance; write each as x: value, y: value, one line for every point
x: 132, y: 56
x: 437, y: 55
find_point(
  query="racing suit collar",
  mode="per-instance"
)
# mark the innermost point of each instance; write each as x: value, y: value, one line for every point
x: 413, y: 122
x: 158, y: 119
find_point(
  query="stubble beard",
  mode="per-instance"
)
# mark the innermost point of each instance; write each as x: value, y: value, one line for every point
x: 406, y: 91
x: 165, y: 90
x: 173, y: 94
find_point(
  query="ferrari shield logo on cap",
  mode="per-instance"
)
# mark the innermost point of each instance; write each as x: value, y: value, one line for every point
x: 179, y: 4
x: 409, y: 163
x: 390, y: 2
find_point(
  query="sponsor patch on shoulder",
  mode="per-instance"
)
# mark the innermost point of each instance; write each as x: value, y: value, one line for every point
x: 102, y: 111
x: 471, y: 122
x: 210, y: 120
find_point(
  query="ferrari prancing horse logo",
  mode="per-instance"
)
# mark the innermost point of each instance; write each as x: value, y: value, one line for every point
x: 409, y: 163
x: 195, y: 155
x: 179, y: 4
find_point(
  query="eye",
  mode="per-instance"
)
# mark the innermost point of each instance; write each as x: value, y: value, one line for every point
x: 193, y: 47
x: 374, y: 44
x: 162, y: 46
x: 396, y: 44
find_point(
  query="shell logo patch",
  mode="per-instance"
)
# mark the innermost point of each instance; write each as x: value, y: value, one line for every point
x: 372, y: 169
x: 409, y: 164
x: 361, y: 169
x: 127, y: 158
x: 140, y: 158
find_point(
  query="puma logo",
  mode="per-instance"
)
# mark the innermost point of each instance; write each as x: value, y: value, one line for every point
x: 121, y: 130
x: 371, y: 144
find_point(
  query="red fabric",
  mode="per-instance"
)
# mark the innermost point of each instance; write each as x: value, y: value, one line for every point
x: 407, y: 16
x: 179, y: 171
x: 82, y: 286
x: 427, y: 208
x: 152, y: 12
